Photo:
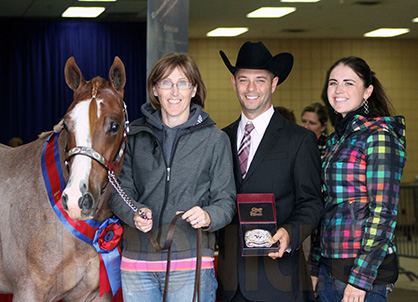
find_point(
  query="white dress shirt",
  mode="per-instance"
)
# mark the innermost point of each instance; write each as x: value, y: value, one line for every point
x: 260, y: 125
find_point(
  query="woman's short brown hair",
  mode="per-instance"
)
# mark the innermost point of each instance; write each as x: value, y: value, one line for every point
x: 166, y: 65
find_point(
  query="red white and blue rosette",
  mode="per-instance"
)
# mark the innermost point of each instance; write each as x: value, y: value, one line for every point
x: 106, y: 243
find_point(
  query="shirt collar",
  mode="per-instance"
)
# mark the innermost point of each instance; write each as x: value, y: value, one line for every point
x: 260, y: 122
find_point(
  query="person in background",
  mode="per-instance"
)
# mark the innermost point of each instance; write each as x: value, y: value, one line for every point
x: 286, y: 113
x: 361, y: 173
x: 315, y: 118
x: 282, y: 160
x: 176, y: 161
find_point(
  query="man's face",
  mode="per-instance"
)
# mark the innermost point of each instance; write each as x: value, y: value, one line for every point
x: 254, y: 88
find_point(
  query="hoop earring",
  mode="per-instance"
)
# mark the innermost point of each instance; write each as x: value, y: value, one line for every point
x: 366, y: 106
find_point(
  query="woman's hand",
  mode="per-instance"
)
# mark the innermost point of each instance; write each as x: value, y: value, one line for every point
x: 197, y: 217
x: 144, y: 225
x: 353, y: 294
x: 315, y: 281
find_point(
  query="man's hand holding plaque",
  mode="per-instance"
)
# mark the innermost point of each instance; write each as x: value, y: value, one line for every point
x: 281, y: 236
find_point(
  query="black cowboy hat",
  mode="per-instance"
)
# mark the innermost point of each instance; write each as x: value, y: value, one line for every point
x: 256, y: 56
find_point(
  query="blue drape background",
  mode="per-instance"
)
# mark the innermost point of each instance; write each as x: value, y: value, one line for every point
x: 33, y: 93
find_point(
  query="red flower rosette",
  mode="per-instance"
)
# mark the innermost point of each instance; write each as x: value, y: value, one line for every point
x: 106, y: 243
x: 110, y: 236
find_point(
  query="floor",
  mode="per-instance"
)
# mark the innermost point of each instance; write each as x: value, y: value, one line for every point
x: 406, y: 288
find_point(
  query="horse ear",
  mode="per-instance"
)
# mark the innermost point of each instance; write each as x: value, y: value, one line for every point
x: 117, y: 74
x: 73, y: 75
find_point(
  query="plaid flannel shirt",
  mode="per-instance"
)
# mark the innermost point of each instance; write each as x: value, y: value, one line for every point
x: 361, y: 174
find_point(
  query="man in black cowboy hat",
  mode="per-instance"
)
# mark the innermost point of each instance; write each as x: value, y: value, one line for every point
x: 271, y: 155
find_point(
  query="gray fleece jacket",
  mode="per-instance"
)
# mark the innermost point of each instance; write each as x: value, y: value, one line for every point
x: 174, y: 169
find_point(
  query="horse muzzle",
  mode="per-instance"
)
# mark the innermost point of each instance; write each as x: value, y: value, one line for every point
x: 84, y: 209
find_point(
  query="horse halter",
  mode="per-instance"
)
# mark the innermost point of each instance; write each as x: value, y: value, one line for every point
x: 109, y: 166
x: 93, y: 154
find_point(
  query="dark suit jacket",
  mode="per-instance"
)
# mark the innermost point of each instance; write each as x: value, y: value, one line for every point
x: 287, y: 164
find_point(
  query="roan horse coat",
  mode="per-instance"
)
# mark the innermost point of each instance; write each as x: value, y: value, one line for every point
x: 39, y: 259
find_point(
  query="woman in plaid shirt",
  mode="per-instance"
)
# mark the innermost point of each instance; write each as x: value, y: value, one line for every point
x: 361, y: 172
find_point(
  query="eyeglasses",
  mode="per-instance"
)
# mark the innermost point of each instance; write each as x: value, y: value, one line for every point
x: 182, y: 85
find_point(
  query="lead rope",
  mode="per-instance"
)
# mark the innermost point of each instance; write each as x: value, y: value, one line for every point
x: 123, y: 195
x: 168, y: 241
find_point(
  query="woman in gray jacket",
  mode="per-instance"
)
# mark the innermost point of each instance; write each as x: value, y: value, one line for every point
x: 176, y: 161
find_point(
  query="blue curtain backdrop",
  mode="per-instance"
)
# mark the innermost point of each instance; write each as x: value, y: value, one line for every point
x: 33, y: 93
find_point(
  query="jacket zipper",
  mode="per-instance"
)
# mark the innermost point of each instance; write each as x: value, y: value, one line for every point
x: 168, y: 174
x: 168, y: 177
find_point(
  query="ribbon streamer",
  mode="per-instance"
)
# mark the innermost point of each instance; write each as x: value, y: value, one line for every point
x: 106, y: 243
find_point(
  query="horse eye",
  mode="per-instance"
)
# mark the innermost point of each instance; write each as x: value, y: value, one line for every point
x: 114, y: 127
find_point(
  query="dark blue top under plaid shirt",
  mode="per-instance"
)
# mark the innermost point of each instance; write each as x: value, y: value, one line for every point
x: 322, y: 141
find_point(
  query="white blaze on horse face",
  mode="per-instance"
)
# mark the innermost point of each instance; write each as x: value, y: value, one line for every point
x: 78, y: 182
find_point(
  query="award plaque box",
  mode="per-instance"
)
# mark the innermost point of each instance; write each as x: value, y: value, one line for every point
x: 257, y: 215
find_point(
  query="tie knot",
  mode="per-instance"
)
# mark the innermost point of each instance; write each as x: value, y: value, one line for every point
x: 249, y: 127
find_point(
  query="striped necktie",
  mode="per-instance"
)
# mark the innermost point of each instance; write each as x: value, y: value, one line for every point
x: 244, y: 149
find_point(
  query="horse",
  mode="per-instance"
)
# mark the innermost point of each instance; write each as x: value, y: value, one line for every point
x: 40, y: 260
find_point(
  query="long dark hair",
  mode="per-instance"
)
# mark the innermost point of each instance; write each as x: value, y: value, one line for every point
x: 379, y: 103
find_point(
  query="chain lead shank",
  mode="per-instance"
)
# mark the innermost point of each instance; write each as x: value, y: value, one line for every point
x: 123, y: 195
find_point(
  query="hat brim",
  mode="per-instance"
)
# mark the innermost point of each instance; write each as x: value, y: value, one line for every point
x: 281, y: 65
x: 227, y: 63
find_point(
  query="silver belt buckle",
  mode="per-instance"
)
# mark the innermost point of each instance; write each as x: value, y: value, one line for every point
x: 257, y: 238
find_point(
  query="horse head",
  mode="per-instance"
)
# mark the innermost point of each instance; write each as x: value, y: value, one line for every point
x: 96, y: 125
